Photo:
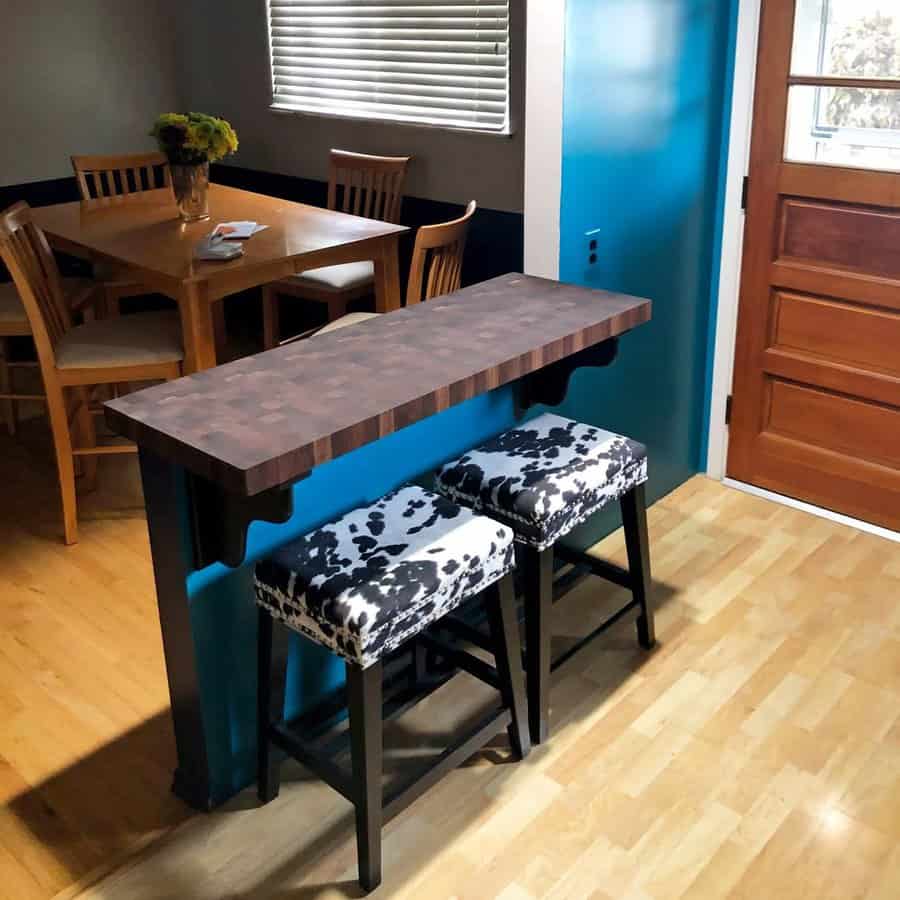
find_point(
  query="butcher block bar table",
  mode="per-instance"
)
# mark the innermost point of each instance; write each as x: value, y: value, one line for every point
x: 149, y: 238
x: 289, y: 438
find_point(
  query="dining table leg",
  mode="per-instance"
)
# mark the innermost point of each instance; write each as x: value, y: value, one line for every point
x: 197, y: 328
x: 220, y: 332
x: 387, y: 275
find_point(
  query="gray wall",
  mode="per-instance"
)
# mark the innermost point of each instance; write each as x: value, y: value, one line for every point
x: 90, y: 76
x: 87, y: 76
x: 226, y: 73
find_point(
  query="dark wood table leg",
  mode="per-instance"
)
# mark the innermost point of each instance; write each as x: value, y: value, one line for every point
x: 167, y: 513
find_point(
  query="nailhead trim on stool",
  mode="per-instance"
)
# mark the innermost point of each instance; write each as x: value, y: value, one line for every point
x: 546, y: 476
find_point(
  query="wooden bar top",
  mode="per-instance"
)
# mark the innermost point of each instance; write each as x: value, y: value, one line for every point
x: 266, y: 420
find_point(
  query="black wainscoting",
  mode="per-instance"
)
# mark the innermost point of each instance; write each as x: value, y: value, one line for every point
x: 495, y: 244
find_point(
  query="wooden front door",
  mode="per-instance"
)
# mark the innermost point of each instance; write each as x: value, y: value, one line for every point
x: 816, y: 395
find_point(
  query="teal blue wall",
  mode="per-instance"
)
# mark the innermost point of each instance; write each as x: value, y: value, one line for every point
x: 645, y: 114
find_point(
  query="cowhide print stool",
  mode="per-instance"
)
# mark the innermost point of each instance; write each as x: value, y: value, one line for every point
x: 363, y: 586
x: 543, y: 479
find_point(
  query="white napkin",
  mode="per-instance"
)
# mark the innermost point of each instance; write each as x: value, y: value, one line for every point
x: 237, y: 231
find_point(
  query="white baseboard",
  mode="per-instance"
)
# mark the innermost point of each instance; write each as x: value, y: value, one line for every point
x: 832, y: 516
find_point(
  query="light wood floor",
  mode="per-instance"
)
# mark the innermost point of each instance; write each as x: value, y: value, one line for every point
x: 755, y: 754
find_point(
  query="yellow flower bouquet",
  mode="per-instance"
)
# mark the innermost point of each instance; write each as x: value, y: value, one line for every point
x: 194, y: 138
x: 191, y: 142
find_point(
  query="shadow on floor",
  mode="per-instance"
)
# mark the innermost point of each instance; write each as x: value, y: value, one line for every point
x: 118, y: 799
x: 94, y: 813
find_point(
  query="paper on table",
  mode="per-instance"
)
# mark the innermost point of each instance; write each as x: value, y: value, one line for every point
x: 237, y: 231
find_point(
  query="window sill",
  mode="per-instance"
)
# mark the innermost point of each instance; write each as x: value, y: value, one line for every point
x: 303, y: 113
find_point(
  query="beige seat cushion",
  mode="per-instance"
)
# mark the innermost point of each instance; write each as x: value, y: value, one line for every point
x: 337, y: 278
x: 344, y: 321
x: 137, y: 340
x: 12, y: 310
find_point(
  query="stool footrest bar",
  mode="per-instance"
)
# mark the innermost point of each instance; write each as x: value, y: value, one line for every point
x: 600, y: 567
x: 450, y: 759
x: 466, y: 632
x: 477, y: 668
x: 605, y: 626
x: 327, y: 769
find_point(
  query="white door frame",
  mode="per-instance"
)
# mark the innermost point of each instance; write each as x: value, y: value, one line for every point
x: 544, y: 76
x: 732, y: 233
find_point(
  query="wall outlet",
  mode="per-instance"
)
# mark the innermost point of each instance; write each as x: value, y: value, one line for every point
x: 592, y: 246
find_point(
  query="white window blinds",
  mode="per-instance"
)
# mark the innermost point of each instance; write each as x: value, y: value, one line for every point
x: 437, y: 62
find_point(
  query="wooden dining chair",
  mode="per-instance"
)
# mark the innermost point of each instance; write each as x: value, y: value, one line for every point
x: 135, y: 348
x: 359, y: 184
x: 78, y: 293
x: 436, y: 267
x: 128, y: 178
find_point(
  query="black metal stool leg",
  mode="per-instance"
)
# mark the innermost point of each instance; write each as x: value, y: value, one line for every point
x: 504, y: 621
x: 634, y: 518
x: 418, y: 664
x: 271, y: 674
x: 538, y: 590
x: 364, y: 695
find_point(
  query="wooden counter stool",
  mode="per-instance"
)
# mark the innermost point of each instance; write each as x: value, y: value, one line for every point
x: 363, y: 586
x: 542, y: 479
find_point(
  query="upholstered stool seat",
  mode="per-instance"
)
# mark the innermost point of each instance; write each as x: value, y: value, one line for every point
x: 543, y: 479
x: 365, y: 585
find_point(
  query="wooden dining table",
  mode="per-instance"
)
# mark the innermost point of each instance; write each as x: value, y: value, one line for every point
x: 150, y: 241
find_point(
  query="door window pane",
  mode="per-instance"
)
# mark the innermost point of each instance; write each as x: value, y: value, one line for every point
x: 844, y: 127
x: 850, y: 38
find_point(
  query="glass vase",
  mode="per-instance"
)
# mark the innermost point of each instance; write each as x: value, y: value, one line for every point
x: 191, y: 186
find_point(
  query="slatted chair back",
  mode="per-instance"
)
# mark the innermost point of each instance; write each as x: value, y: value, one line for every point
x: 27, y: 256
x: 437, y: 259
x: 368, y: 186
x: 133, y: 176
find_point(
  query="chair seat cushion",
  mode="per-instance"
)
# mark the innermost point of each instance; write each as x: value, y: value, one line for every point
x: 337, y: 278
x: 12, y: 310
x: 134, y: 340
x: 367, y: 582
x: 349, y: 319
x: 545, y: 477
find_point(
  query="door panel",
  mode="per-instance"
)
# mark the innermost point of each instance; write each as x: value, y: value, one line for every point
x: 837, y: 331
x: 867, y: 240
x: 854, y: 428
x: 816, y: 395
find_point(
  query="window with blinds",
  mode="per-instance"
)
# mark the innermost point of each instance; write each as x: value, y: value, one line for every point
x: 434, y: 62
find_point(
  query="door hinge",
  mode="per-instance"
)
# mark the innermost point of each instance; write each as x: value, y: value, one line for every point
x: 728, y: 405
x: 745, y: 188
